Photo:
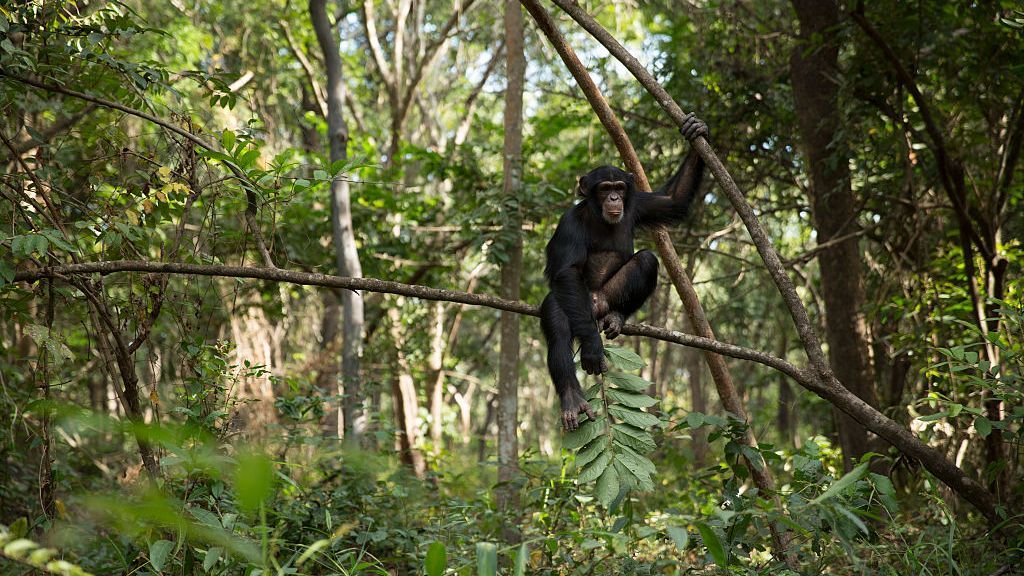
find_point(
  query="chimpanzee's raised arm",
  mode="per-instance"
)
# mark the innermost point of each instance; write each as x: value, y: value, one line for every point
x: 671, y: 203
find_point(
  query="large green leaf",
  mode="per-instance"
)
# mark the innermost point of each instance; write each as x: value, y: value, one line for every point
x: 486, y: 559
x: 159, y: 552
x: 630, y: 399
x: 634, y: 417
x: 641, y: 477
x: 714, y: 544
x: 608, y: 486
x: 437, y: 559
x: 591, y: 451
x: 636, y: 438
x: 624, y: 358
x: 841, y: 484
x: 630, y: 382
x: 679, y: 536
x: 583, y: 435
x: 519, y: 566
x: 595, y: 468
x: 632, y: 459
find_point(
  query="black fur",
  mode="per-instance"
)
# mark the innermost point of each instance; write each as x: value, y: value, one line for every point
x: 591, y: 260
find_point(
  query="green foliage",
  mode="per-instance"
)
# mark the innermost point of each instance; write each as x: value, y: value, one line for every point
x: 15, y: 546
x: 612, y: 450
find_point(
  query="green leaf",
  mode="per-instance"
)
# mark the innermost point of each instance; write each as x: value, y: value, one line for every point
x: 17, y: 549
x: 212, y: 555
x: 158, y: 553
x: 6, y: 273
x: 853, y: 518
x: 519, y: 566
x: 486, y: 559
x: 640, y: 473
x: 437, y: 559
x: 695, y: 419
x: 630, y: 399
x: 839, y: 485
x: 228, y: 139
x: 19, y: 528
x: 680, y: 537
x: 630, y: 382
x: 312, y: 549
x: 593, y: 450
x: 249, y: 158
x: 633, y: 459
x: 636, y: 438
x: 254, y: 479
x: 983, y: 426
x: 595, y: 468
x: 634, y: 417
x: 608, y: 486
x: 583, y: 435
x: 624, y: 358
x: 710, y: 538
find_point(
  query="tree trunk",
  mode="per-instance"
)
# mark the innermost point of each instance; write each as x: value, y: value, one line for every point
x: 406, y: 403
x: 352, y: 417
x: 508, y: 360
x: 436, y: 376
x: 326, y: 366
x: 813, y: 70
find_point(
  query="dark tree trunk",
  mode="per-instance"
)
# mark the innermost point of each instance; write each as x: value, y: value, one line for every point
x: 813, y: 67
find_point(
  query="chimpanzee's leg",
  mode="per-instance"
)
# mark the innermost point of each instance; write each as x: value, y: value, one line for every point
x: 555, y: 325
x: 626, y: 291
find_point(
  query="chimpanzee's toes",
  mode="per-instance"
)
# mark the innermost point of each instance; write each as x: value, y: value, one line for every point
x: 569, y: 420
x: 693, y: 127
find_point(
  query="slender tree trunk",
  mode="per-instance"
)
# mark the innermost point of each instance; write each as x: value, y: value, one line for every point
x: 326, y: 365
x: 813, y: 70
x: 436, y: 377
x: 406, y: 403
x: 352, y: 418
x: 508, y: 361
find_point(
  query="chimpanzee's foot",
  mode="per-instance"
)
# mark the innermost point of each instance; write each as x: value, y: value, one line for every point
x: 611, y: 324
x: 693, y: 127
x: 573, y: 403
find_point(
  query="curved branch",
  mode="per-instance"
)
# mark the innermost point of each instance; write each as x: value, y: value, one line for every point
x: 389, y: 287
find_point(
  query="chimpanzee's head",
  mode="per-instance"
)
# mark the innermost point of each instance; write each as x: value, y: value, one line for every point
x: 609, y: 192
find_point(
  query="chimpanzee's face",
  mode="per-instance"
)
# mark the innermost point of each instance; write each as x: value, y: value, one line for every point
x: 612, y: 197
x: 608, y: 191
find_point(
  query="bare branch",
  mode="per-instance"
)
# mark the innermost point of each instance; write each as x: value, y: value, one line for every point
x: 307, y: 67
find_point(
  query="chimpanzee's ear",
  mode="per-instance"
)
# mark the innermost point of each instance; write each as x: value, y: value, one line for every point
x: 582, y: 186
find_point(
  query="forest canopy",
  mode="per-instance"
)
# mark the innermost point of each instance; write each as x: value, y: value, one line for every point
x: 270, y: 273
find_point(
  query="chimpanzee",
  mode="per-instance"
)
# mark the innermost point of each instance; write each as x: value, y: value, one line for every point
x: 595, y: 278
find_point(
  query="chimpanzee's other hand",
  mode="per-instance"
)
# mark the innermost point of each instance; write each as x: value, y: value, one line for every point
x: 573, y: 403
x: 693, y: 127
x: 592, y: 357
